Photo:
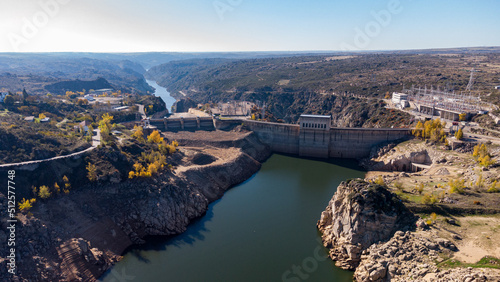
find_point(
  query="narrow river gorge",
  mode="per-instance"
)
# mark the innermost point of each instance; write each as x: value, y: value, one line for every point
x: 261, y: 230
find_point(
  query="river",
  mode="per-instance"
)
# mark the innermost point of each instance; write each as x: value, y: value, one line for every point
x: 163, y: 94
x: 261, y: 230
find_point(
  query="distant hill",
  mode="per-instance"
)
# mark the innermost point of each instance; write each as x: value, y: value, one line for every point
x: 77, y: 85
x: 35, y: 72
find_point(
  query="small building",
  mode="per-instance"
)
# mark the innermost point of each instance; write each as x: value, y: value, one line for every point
x: 121, y: 109
x: 317, y: 122
x: 2, y: 96
x: 89, y: 97
x: 497, y: 87
x: 47, y: 119
x: 29, y: 119
x: 84, y: 125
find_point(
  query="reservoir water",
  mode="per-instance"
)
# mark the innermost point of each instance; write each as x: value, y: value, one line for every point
x: 163, y: 94
x: 261, y: 230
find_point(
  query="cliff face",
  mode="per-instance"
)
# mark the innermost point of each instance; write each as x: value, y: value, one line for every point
x: 359, y: 215
x: 79, y: 236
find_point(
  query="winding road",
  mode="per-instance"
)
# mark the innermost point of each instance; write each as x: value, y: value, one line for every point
x: 96, y: 141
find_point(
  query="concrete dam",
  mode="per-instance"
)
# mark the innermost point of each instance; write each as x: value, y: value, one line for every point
x: 313, y: 137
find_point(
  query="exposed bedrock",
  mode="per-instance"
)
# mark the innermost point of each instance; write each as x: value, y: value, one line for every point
x: 360, y: 214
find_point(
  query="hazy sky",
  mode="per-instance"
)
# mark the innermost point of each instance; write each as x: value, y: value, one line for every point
x: 245, y: 25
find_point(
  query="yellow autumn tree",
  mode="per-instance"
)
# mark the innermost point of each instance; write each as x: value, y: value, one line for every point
x: 26, y: 205
x: 138, y: 133
x: 155, y: 137
x: 105, y: 124
x: 44, y: 192
x: 91, y: 172
x: 67, y: 185
x: 459, y: 135
x: 482, y: 155
x: 418, y: 131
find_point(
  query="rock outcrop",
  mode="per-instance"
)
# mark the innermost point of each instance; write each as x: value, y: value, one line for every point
x: 77, y: 237
x: 359, y: 215
x: 412, y: 257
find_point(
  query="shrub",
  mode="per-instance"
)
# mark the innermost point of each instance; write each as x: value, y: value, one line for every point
x: 420, y: 188
x: 44, y: 192
x: 457, y: 186
x: 399, y: 186
x: 493, y: 188
x: 429, y: 199
x: 380, y: 181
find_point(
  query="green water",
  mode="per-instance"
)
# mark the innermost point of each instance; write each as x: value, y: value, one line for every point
x: 261, y: 230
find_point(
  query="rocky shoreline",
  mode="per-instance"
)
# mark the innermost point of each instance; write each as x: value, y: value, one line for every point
x: 80, y: 236
x: 367, y: 229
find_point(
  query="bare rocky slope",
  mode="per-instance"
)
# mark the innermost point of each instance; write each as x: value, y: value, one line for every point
x: 77, y: 237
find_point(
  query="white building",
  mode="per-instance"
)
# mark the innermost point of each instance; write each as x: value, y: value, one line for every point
x: 400, y: 99
x: 317, y: 122
x: 497, y: 87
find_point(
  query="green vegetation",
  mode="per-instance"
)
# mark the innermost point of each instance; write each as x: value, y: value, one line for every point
x: 485, y: 262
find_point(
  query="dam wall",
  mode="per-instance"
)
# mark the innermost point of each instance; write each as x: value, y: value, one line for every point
x: 319, y: 143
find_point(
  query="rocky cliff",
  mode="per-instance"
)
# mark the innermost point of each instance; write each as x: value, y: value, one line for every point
x: 359, y: 215
x: 77, y: 237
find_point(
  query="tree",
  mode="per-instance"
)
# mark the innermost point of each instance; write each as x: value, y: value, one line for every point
x: 138, y: 134
x: 42, y: 116
x: 57, y: 188
x: 462, y: 116
x: 81, y: 102
x: 155, y: 137
x: 418, y: 131
x: 91, y: 172
x: 67, y: 185
x: 44, y: 192
x: 482, y: 155
x: 8, y: 100
x: 25, y: 94
x: 26, y: 205
x: 105, y: 124
x: 459, y: 135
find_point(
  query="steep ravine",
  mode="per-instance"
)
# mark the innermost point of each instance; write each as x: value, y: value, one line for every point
x: 80, y: 236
